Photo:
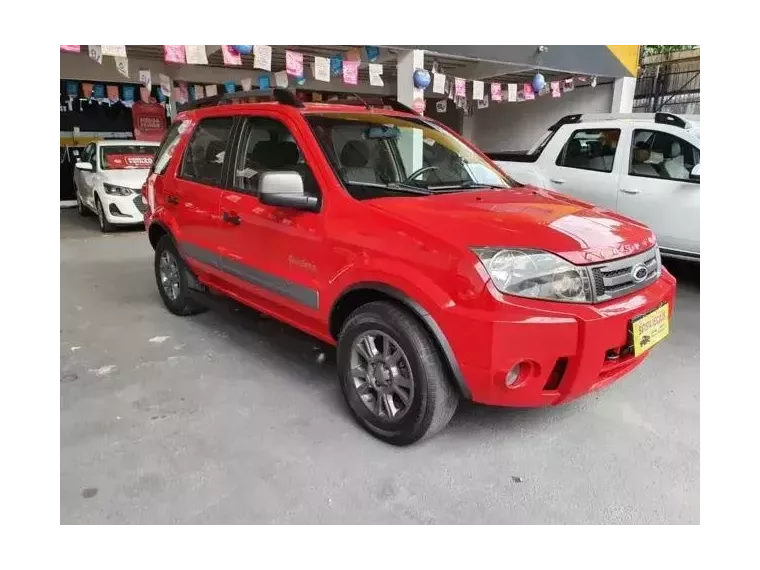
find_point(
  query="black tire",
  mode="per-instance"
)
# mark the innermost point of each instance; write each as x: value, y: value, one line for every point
x: 83, y: 210
x: 434, y: 399
x: 183, y: 305
x: 105, y: 225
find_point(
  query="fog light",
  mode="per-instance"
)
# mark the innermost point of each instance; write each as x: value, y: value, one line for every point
x: 513, y: 375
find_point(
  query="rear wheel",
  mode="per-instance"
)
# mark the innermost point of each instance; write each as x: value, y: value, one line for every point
x: 392, y: 376
x: 172, y: 279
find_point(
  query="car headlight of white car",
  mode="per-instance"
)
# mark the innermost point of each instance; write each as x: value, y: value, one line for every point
x: 535, y: 274
x: 114, y: 190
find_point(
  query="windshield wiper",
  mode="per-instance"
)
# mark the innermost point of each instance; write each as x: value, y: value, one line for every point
x: 465, y: 185
x: 393, y: 186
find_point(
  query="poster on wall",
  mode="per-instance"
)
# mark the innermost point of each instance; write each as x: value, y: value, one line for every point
x: 148, y: 121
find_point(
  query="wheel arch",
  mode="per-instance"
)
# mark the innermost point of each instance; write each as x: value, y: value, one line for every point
x: 362, y: 293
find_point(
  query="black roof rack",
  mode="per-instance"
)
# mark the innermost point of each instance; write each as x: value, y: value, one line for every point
x: 669, y: 119
x: 277, y: 94
x: 566, y: 120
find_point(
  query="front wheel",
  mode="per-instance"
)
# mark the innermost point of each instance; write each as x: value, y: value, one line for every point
x: 105, y: 225
x: 81, y: 208
x: 172, y: 279
x: 392, y: 376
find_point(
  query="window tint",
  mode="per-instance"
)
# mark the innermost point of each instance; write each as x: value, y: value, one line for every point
x: 266, y: 145
x: 204, y: 157
x: 166, y: 149
x: 657, y: 154
x: 590, y: 149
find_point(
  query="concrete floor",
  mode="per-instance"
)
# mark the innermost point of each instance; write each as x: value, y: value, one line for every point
x: 227, y: 418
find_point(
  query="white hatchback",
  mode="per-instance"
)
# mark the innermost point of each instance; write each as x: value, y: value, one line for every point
x: 108, y: 180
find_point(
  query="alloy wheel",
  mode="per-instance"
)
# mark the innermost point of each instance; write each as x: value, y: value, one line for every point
x: 168, y: 270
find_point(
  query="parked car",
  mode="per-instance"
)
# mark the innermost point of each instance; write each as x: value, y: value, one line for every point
x: 108, y: 179
x: 644, y: 166
x: 386, y: 234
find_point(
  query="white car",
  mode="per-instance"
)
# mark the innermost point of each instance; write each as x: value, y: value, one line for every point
x: 108, y: 179
x: 644, y: 166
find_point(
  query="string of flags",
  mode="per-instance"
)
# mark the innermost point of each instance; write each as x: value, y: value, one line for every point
x: 345, y: 67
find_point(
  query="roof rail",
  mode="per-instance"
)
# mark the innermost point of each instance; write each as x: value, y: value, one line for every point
x: 277, y: 94
x: 669, y: 119
x: 662, y: 118
x: 566, y: 120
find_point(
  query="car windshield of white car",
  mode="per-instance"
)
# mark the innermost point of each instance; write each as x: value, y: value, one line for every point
x: 127, y: 157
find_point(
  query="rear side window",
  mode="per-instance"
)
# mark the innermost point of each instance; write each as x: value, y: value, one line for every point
x: 205, y: 154
x: 590, y: 149
x: 166, y: 150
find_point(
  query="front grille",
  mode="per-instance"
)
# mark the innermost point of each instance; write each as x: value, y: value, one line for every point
x: 616, y: 278
x: 142, y: 208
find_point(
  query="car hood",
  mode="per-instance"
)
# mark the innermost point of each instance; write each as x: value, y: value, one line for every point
x: 524, y: 217
x: 128, y: 177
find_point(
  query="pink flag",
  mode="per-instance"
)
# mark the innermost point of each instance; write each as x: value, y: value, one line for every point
x: 294, y: 63
x: 174, y: 54
x: 70, y: 48
x: 184, y: 95
x: 113, y: 92
x: 87, y: 90
x: 144, y: 94
x: 528, y: 92
x: 555, y: 89
x: 459, y: 87
x: 496, y: 92
x: 231, y: 57
x: 351, y: 72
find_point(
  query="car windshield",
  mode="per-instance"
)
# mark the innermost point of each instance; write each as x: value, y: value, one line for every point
x: 121, y: 157
x: 384, y: 155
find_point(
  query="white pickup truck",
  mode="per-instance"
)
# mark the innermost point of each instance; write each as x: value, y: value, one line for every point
x: 644, y: 166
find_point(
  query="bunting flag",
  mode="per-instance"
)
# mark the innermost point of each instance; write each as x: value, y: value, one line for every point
x: 351, y: 72
x: 113, y: 93
x: 459, y: 87
x: 246, y: 83
x: 512, y: 92
x: 264, y: 81
x: 280, y: 79
x: 555, y: 89
x: 122, y: 66
x: 322, y: 69
x: 231, y: 56
x: 478, y: 88
x: 73, y: 49
x: 129, y: 93
x: 144, y: 94
x: 166, y: 84
x: 87, y: 90
x: 173, y: 54
x: 230, y: 87
x: 262, y: 57
x: 528, y: 93
x: 96, y: 53
x: 211, y: 90
x: 336, y: 65
x: 200, y: 92
x: 294, y: 63
x: 496, y: 92
x: 72, y: 88
x: 376, y: 74
x: 196, y: 55
x: 145, y: 78
x: 439, y: 83
x: 184, y: 92
x: 373, y: 52
x: 99, y: 91
x: 114, y: 51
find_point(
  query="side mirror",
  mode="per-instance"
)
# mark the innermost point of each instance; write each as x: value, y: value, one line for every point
x: 694, y: 175
x: 84, y: 166
x: 285, y: 189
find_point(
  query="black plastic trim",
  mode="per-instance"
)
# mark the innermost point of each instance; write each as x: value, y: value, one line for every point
x: 419, y: 310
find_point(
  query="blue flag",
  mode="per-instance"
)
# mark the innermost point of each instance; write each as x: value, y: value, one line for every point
x: 129, y: 92
x: 336, y: 65
x: 72, y: 88
x: 229, y: 87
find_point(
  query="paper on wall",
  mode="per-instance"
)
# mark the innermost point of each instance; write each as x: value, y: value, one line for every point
x: 262, y: 57
x: 281, y: 79
x: 114, y: 51
x: 477, y: 90
x: 439, y: 83
x: 145, y: 78
x: 375, y: 74
x: 512, y: 92
x: 166, y: 84
x: 196, y: 55
x: 322, y: 68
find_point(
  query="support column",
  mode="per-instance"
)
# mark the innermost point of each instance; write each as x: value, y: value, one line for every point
x: 410, y: 144
x: 622, y: 95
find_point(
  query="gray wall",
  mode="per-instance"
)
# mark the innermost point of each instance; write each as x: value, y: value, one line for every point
x: 516, y: 126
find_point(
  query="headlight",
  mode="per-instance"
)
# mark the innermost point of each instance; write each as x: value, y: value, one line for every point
x: 116, y: 190
x: 535, y: 274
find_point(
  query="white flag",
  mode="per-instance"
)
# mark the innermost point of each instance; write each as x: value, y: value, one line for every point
x: 114, y: 51
x: 96, y: 54
x: 439, y: 83
x: 512, y: 92
x: 262, y: 57
x: 166, y: 84
x: 196, y: 55
x: 211, y: 90
x: 145, y: 78
x: 477, y: 90
x: 246, y: 83
x: 376, y: 74
x: 281, y: 79
x: 322, y: 68
x: 122, y: 66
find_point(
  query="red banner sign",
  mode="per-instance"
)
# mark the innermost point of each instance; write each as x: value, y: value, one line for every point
x: 117, y: 161
x: 149, y: 121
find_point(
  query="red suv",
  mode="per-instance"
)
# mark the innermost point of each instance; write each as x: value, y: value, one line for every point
x: 385, y: 233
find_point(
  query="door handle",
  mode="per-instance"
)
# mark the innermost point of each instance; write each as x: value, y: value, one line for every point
x: 557, y: 180
x: 630, y: 190
x: 233, y: 219
x: 172, y: 200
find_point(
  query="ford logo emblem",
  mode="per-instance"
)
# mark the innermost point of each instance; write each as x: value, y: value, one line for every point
x: 639, y: 273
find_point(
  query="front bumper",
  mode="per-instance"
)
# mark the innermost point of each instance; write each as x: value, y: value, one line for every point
x: 123, y: 209
x: 569, y: 349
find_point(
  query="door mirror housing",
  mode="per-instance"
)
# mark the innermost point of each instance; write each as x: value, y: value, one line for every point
x: 285, y: 189
x: 694, y: 174
x: 84, y: 166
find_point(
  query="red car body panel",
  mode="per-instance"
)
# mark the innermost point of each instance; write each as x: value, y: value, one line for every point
x: 418, y: 249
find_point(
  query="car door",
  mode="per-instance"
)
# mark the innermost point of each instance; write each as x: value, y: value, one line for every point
x: 271, y: 255
x: 585, y: 166
x: 194, y: 196
x: 657, y: 188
